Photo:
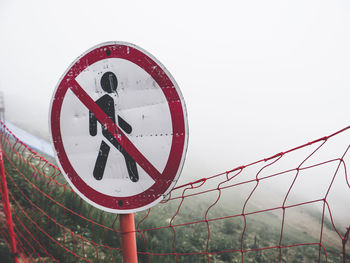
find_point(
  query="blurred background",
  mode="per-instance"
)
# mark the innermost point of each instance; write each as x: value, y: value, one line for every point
x: 258, y: 77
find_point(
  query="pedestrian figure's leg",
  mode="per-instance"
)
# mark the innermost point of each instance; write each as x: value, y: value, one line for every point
x: 101, y: 161
x: 131, y: 165
x: 130, y: 162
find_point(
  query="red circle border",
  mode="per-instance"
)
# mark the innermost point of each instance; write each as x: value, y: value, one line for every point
x: 157, y: 72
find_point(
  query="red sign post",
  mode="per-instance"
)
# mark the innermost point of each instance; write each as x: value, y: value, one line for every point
x: 127, y: 229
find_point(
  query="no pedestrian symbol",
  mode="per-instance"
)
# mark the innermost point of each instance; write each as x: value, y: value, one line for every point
x: 119, y: 128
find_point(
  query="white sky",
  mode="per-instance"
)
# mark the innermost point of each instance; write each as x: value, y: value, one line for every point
x: 258, y: 77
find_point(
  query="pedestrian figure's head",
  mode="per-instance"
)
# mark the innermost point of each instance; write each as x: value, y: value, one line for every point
x: 109, y: 82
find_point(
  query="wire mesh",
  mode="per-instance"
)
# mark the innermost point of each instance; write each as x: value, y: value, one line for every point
x: 290, y: 207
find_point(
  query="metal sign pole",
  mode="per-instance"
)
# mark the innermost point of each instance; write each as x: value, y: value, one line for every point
x: 127, y: 229
x: 7, y: 208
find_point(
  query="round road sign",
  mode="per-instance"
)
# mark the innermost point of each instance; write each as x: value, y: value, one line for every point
x: 119, y: 127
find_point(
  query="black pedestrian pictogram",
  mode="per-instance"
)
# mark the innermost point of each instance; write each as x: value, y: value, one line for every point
x: 109, y: 84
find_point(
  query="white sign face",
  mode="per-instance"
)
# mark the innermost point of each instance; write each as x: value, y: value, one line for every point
x: 119, y: 127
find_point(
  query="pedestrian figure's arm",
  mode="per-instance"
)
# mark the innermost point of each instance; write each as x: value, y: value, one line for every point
x: 92, y: 124
x: 124, y: 125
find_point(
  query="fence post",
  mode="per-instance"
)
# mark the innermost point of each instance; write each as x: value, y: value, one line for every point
x: 344, y: 241
x: 7, y: 208
x: 127, y: 229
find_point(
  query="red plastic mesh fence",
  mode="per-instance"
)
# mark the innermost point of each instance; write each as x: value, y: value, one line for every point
x: 291, y: 207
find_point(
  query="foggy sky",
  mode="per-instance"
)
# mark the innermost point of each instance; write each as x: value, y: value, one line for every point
x: 258, y: 77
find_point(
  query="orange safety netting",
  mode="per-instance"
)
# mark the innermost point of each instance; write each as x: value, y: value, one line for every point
x: 291, y: 207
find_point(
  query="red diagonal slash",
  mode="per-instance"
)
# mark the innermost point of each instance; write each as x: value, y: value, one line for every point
x: 114, y: 130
